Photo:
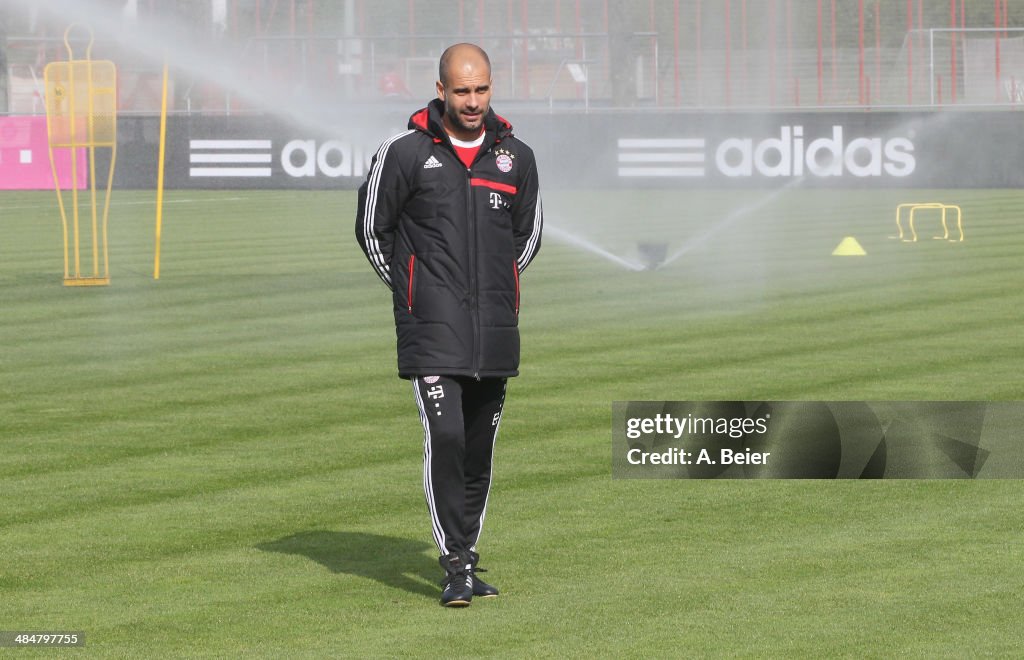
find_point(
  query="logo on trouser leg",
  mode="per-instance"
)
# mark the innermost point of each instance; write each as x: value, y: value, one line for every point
x: 497, y: 418
x: 436, y: 392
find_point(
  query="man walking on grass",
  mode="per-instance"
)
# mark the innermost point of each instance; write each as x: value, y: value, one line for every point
x: 449, y: 217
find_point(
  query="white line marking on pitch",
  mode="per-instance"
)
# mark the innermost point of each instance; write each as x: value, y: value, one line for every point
x: 150, y: 202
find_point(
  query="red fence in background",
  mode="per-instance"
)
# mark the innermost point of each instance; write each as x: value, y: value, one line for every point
x: 572, y: 53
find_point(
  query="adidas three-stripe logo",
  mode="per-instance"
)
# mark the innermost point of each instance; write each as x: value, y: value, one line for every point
x: 431, y: 162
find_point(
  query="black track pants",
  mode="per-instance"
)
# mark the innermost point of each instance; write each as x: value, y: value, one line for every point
x: 460, y: 423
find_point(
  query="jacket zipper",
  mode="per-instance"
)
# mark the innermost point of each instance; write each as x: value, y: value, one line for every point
x: 408, y: 295
x: 473, y: 290
x: 515, y: 273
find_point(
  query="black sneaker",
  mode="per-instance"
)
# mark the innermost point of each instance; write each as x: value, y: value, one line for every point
x: 457, y: 583
x: 480, y: 588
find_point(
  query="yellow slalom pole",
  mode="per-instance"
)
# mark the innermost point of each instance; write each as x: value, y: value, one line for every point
x: 74, y: 159
x: 91, y: 127
x: 160, y: 175
x: 56, y: 182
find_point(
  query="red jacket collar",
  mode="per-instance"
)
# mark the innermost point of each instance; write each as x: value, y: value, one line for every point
x: 429, y: 121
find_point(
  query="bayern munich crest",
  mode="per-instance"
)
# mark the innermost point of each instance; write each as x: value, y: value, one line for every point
x: 504, y: 160
x: 430, y: 380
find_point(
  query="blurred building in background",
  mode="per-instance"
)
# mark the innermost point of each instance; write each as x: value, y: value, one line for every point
x: 553, y: 54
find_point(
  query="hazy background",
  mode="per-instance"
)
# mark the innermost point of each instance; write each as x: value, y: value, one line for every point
x: 227, y: 55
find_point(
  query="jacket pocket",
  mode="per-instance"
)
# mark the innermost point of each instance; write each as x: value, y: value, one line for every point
x: 409, y: 290
x: 515, y: 274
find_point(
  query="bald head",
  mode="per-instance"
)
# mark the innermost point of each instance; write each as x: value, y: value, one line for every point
x: 465, y: 89
x: 462, y: 57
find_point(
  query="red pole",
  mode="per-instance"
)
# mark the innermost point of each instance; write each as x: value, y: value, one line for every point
x: 772, y: 51
x: 654, y: 68
x: 746, y: 45
x: 878, y: 42
x: 675, y: 47
x: 604, y: 9
x: 910, y: 52
x: 743, y: 23
x: 700, y: 84
x: 921, y: 28
x: 525, y: 21
x: 963, y: 14
x: 789, y: 39
x: 860, y: 51
x: 835, y: 59
x: 999, y: 20
x: 952, y: 52
x: 920, y: 20
x: 728, y: 53
x: 821, y: 63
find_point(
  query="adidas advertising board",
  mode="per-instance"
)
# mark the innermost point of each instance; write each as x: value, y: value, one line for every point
x: 253, y: 152
x: 788, y: 155
x: 825, y: 150
x: 737, y: 150
x: 605, y: 150
x: 299, y: 158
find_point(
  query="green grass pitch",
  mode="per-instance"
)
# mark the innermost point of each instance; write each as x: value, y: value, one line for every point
x: 222, y: 463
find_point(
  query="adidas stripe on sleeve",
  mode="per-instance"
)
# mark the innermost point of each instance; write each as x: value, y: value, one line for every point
x: 378, y: 208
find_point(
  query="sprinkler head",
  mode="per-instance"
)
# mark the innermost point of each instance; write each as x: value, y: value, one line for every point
x: 652, y: 255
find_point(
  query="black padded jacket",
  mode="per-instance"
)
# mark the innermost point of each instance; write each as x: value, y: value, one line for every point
x: 451, y: 244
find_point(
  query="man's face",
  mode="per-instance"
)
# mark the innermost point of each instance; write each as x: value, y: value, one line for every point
x: 467, y: 97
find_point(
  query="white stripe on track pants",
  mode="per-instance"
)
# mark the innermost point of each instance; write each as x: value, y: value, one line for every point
x: 460, y: 419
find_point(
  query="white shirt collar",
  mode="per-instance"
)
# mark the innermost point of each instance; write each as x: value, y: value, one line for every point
x: 467, y: 145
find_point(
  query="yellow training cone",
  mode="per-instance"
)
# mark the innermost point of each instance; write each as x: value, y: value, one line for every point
x: 848, y: 247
